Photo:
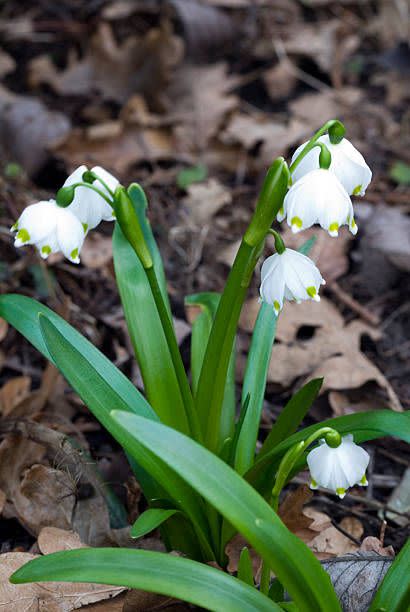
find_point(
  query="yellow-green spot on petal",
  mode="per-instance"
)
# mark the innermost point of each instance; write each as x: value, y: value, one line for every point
x: 311, y: 291
x: 113, y: 214
x: 334, y: 227
x: 314, y: 484
x: 46, y: 249
x: 363, y: 481
x: 85, y: 227
x: 353, y: 224
x: 357, y: 190
x: 15, y: 227
x: 281, y: 211
x: 23, y: 235
x: 276, y: 305
x: 341, y: 492
x: 296, y: 221
x: 74, y: 254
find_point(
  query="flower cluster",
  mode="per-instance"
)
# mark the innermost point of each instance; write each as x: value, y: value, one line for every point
x: 52, y: 228
x: 318, y: 194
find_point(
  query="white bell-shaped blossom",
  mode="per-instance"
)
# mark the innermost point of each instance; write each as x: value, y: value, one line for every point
x: 338, y: 468
x: 51, y: 229
x: 348, y: 164
x: 289, y: 275
x: 88, y: 206
x: 318, y: 197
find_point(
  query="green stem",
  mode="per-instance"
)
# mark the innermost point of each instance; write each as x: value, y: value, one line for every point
x: 211, y: 384
x: 328, y: 126
x: 175, y: 354
x: 100, y: 193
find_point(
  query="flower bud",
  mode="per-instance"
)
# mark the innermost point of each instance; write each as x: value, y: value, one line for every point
x: 130, y: 226
x: 65, y: 195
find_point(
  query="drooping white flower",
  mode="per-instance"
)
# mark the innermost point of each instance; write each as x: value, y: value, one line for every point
x: 318, y: 197
x: 338, y: 468
x: 348, y: 164
x: 89, y: 207
x: 51, y: 229
x: 289, y: 275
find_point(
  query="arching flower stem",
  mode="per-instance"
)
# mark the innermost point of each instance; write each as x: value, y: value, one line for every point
x: 336, y: 131
x: 89, y: 177
x: 63, y: 203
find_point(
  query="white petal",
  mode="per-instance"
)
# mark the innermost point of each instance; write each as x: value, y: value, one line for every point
x: 38, y: 220
x: 70, y: 235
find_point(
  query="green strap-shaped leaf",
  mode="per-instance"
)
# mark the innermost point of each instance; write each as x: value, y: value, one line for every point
x: 245, y: 570
x: 393, y: 595
x: 150, y: 520
x: 292, y: 415
x: 294, y: 564
x: 254, y: 385
x: 98, y: 396
x: 156, y: 572
x: 147, y: 336
x: 201, y: 328
x: 364, y: 425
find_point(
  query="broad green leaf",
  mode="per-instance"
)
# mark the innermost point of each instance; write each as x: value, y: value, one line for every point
x: 393, y: 595
x: 254, y: 385
x: 155, y: 572
x: 201, y: 328
x: 245, y: 570
x: 147, y: 336
x: 400, y: 172
x: 293, y: 563
x: 150, y: 520
x: 23, y: 314
x: 98, y: 396
x: 292, y: 415
x: 364, y: 425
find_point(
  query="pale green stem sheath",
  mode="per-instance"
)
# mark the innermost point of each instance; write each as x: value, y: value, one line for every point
x: 336, y: 132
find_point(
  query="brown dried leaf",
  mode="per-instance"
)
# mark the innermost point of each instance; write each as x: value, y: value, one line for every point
x: 331, y: 542
x: 204, y: 200
x: 17, y: 454
x: 46, y: 497
x: 4, y: 326
x: 202, y: 96
x: 312, y: 107
x: 53, y: 539
x: 372, y: 544
x: 138, y: 64
x: 13, y: 393
x: 233, y: 551
x: 292, y: 513
x: 3, y: 499
x: 332, y: 352
x: 130, y: 146
x: 50, y: 596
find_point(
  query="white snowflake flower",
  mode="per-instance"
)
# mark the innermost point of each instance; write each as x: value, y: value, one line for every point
x: 348, y: 164
x: 51, y: 229
x: 289, y: 275
x: 338, y: 468
x: 88, y: 206
x: 318, y: 197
